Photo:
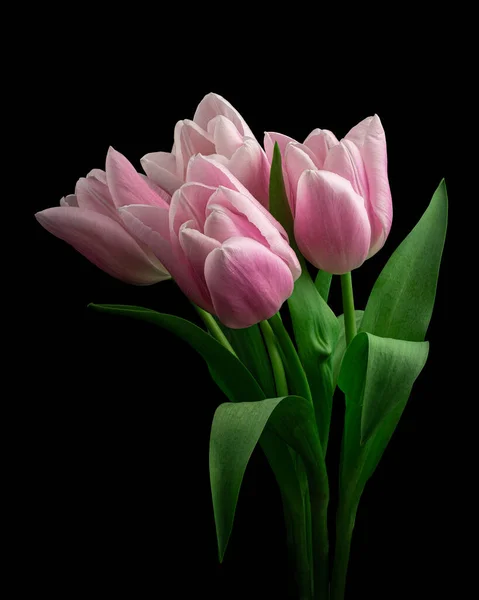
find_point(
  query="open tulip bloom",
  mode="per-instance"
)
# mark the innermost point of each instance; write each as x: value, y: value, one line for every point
x: 234, y: 224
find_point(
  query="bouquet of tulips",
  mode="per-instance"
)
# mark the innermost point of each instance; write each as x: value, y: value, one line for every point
x: 247, y: 232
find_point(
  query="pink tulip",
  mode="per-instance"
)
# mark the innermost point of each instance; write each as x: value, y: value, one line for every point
x: 339, y: 194
x: 89, y: 220
x: 223, y: 248
x: 219, y: 131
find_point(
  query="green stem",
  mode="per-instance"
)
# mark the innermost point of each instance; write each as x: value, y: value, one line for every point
x: 214, y: 329
x: 275, y: 357
x: 348, y: 307
x: 344, y: 532
x: 293, y: 364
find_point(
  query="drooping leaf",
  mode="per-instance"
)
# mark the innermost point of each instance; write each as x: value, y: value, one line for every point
x: 315, y: 326
x: 401, y: 302
x: 235, y: 432
x: 232, y: 377
x: 340, y: 347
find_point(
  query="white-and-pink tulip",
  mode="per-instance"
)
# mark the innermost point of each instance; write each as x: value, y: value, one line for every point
x: 339, y: 194
x: 219, y: 131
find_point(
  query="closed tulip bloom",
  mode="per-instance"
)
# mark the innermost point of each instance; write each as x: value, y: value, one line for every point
x: 89, y: 221
x: 219, y: 131
x: 223, y: 248
x: 339, y: 194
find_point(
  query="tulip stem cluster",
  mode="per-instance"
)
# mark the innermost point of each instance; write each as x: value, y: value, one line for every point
x: 348, y: 307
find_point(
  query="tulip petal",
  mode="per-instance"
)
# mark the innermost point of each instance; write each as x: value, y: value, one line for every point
x: 189, y: 203
x: 98, y: 174
x: 227, y: 138
x: 223, y: 224
x: 150, y: 225
x: 241, y: 208
x: 156, y: 188
x: 250, y: 165
x: 196, y: 246
x: 194, y: 140
x: 70, y: 200
x: 214, y: 105
x: 320, y: 141
x: 126, y: 185
x: 345, y: 160
x: 270, y: 138
x: 104, y: 242
x: 331, y: 225
x: 358, y: 132
x: 94, y: 195
x: 204, y: 169
x: 247, y: 282
x: 296, y: 161
x: 161, y: 168
x: 374, y: 153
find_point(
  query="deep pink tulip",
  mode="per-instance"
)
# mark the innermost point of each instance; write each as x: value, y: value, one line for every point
x: 223, y: 248
x: 89, y: 220
x: 339, y: 221
x: 219, y: 131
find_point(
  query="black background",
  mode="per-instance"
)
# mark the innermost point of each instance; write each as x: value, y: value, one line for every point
x: 116, y: 494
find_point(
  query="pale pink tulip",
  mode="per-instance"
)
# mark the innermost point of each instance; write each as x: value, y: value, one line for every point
x: 339, y: 221
x: 223, y: 248
x: 89, y: 220
x: 217, y: 130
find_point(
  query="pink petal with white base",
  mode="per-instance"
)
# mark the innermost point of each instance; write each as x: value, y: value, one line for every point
x: 161, y: 168
x: 331, y: 225
x: 247, y: 282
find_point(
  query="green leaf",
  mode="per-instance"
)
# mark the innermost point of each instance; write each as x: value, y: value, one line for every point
x: 378, y: 374
x: 230, y: 374
x: 235, y: 432
x: 323, y: 283
x: 238, y: 384
x: 340, y: 347
x: 401, y: 302
x: 249, y: 346
x: 315, y: 325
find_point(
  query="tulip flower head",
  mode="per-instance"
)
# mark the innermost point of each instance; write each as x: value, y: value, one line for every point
x: 90, y: 222
x: 339, y: 194
x: 223, y: 248
x: 219, y: 131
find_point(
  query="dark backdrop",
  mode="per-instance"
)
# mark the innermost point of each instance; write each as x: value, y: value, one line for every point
x: 117, y: 499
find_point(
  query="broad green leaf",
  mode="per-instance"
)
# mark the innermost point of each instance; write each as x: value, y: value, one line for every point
x: 233, y: 378
x: 238, y: 384
x: 323, y: 283
x: 378, y: 374
x: 249, y: 346
x: 401, y: 302
x: 235, y: 432
x: 340, y: 347
x: 315, y: 326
